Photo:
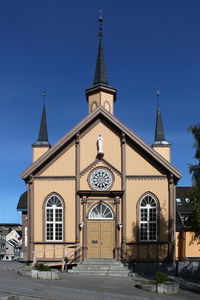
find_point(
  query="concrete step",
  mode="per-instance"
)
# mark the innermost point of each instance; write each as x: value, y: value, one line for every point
x: 101, y: 262
x: 99, y: 270
x: 112, y: 274
x: 101, y: 267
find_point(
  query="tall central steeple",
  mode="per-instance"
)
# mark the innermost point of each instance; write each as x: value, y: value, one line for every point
x: 100, y: 94
x: 100, y: 76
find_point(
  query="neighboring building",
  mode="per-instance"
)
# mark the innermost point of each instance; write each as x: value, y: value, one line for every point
x: 186, y: 246
x: 10, y: 226
x: 101, y: 186
x: 11, y: 246
x: 3, y: 234
x: 22, y: 206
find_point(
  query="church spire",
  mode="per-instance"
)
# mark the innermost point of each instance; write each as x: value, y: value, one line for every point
x: 43, y: 134
x: 159, y: 132
x: 100, y: 76
x: 160, y: 144
x: 100, y: 93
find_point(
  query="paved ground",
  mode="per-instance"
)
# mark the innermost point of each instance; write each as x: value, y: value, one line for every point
x: 81, y: 287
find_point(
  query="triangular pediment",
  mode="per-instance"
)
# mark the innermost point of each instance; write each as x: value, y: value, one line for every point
x: 100, y: 114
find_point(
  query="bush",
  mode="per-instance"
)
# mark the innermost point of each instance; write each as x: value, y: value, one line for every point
x: 42, y: 267
x: 161, y: 277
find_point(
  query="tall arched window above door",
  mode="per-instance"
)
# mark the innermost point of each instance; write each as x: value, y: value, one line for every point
x: 54, y: 219
x: 148, y: 218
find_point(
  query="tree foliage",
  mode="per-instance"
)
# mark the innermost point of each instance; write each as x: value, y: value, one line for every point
x: 194, y: 220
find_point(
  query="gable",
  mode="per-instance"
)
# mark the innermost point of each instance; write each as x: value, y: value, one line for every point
x: 64, y: 164
x: 137, y: 164
x: 111, y: 146
x: 101, y: 114
x: 84, y: 180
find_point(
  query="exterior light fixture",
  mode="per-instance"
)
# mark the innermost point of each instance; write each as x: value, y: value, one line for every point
x: 119, y: 225
x: 81, y: 225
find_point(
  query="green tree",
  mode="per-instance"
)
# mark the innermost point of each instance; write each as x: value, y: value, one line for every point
x: 194, y: 220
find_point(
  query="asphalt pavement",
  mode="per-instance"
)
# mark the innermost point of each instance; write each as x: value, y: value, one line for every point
x: 81, y: 287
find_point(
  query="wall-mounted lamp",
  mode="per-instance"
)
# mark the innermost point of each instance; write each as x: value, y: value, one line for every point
x: 119, y: 225
x: 81, y: 225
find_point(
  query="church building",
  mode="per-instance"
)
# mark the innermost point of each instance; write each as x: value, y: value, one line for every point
x: 101, y: 188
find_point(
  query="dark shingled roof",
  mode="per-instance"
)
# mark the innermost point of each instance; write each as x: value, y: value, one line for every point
x: 159, y: 133
x: 100, y: 76
x: 22, y: 204
x: 182, y: 207
x: 43, y: 135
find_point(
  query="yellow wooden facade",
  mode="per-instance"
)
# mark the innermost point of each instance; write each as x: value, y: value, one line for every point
x: 136, y: 170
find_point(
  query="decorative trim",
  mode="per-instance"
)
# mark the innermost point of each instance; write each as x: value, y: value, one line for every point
x: 172, y: 218
x: 104, y: 105
x: 54, y: 242
x: 77, y: 204
x: 89, y: 193
x: 102, y: 113
x: 117, y: 203
x: 55, y: 158
x: 99, y: 88
x: 106, y: 169
x: 138, y: 217
x: 54, y: 177
x: 123, y: 166
x: 90, y: 126
x: 95, y: 162
x: 92, y: 104
x: 95, y: 203
x: 111, y: 166
x: 84, y: 171
x: 84, y: 233
x: 147, y: 243
x: 145, y: 177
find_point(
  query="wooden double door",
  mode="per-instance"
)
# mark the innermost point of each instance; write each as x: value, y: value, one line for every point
x: 100, y: 236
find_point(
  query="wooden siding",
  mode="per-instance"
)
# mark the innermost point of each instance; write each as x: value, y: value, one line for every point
x: 63, y: 166
x: 111, y: 146
x: 138, y: 165
x: 135, y: 189
x: 66, y: 189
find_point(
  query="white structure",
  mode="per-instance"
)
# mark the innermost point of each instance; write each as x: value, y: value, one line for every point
x: 13, y: 246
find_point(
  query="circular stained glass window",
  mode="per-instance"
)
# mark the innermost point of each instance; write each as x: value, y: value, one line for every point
x: 101, y: 179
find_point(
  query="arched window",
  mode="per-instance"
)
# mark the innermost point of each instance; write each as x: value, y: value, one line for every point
x: 101, y: 211
x: 93, y: 106
x: 54, y: 219
x: 107, y: 105
x: 148, y: 219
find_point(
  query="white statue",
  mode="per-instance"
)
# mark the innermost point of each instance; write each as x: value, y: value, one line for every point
x: 100, y: 144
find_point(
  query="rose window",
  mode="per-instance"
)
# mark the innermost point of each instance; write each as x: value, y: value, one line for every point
x: 101, y: 179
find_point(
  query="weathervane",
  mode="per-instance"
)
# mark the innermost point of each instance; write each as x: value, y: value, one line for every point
x: 100, y: 23
x: 158, y: 94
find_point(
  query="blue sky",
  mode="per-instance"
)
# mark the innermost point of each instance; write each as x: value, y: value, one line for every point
x: 52, y: 45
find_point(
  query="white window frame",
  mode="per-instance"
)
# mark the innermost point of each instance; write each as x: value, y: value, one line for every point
x: 54, y: 222
x: 148, y: 222
x: 100, y: 216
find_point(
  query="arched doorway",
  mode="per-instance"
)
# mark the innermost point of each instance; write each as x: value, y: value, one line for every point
x: 100, y: 232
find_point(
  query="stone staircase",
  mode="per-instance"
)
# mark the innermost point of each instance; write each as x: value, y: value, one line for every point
x: 101, y: 267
